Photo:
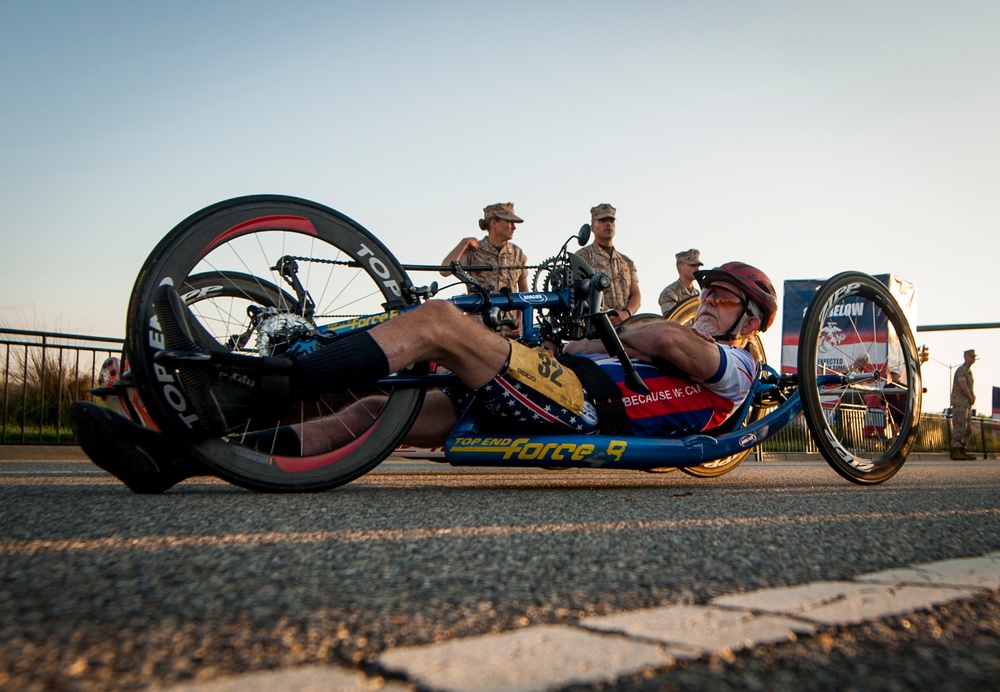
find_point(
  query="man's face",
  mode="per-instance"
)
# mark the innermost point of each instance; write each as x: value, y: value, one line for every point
x: 686, y: 271
x: 719, y: 307
x: 603, y: 230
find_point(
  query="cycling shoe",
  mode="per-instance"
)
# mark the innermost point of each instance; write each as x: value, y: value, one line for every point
x: 228, y: 391
x: 140, y: 458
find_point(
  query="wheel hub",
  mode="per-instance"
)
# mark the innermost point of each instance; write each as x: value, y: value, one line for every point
x: 277, y: 331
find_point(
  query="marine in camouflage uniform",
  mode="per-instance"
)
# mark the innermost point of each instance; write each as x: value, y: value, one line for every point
x: 962, y: 399
x: 682, y: 289
x: 502, y: 258
x: 602, y: 256
x: 495, y: 249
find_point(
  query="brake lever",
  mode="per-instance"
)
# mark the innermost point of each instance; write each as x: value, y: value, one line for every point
x: 476, y: 287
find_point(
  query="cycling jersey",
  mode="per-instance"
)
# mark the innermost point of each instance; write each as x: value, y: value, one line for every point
x: 678, y: 405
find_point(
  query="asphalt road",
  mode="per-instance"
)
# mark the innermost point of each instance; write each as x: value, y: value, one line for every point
x: 103, y: 589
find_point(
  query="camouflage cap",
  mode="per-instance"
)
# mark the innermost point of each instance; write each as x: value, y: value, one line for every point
x: 602, y: 211
x: 691, y: 256
x: 501, y: 210
x: 971, y: 352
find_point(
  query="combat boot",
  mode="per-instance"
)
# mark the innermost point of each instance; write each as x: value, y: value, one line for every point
x: 956, y: 454
x: 968, y: 457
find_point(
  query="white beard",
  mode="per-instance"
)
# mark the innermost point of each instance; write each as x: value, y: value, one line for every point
x: 705, y: 323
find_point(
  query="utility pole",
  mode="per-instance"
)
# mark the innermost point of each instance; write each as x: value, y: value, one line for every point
x: 951, y: 368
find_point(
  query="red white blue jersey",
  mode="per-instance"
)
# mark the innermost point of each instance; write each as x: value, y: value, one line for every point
x: 677, y: 405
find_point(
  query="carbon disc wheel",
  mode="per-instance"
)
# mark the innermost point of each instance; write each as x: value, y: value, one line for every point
x: 275, y: 275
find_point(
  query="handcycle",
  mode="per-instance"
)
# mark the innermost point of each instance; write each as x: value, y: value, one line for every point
x: 268, y: 275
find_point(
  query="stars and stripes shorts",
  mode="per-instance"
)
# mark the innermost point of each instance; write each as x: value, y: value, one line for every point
x: 508, y: 402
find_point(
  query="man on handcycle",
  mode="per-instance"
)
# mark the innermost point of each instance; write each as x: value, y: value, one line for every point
x: 698, y: 376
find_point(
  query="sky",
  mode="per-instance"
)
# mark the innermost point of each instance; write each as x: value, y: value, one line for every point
x: 807, y: 138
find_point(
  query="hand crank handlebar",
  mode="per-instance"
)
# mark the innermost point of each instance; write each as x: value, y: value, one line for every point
x: 594, y: 287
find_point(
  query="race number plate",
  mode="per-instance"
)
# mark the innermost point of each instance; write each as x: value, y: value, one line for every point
x: 538, y: 369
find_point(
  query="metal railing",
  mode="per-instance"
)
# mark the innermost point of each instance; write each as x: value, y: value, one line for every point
x: 933, y: 435
x: 43, y: 373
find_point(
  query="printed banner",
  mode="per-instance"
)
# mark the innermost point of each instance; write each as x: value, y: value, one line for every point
x: 842, y: 344
x: 996, y: 403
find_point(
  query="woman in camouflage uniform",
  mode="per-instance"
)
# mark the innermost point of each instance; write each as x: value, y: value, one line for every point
x: 495, y: 249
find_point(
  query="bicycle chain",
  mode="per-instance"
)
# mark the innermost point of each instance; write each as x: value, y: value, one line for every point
x: 348, y: 263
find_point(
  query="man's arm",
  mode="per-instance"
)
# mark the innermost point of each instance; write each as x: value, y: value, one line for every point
x: 674, y: 342
x: 964, y: 386
x: 691, y: 351
x: 667, y: 300
x: 634, y: 297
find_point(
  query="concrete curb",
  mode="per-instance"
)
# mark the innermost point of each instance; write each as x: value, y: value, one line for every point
x: 42, y: 453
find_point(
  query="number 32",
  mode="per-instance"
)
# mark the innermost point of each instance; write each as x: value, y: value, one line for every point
x: 550, y: 369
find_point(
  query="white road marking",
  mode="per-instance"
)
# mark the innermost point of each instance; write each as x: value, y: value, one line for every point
x: 602, y: 649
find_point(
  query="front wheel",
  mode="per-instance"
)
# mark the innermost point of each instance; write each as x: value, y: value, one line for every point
x: 267, y: 275
x: 859, y: 378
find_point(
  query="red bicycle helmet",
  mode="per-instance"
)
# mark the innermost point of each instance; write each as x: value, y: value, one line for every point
x: 754, y: 283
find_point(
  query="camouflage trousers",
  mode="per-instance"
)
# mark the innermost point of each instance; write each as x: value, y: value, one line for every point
x: 961, y: 426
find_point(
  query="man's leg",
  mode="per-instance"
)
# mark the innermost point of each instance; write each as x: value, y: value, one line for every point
x: 224, y: 396
x: 436, y: 331
x: 967, y: 435
x: 959, y: 432
x: 436, y: 419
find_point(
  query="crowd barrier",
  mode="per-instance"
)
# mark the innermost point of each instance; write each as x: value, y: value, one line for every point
x: 43, y: 374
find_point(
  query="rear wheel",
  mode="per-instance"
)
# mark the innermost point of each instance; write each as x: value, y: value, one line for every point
x: 864, y: 426
x: 263, y: 275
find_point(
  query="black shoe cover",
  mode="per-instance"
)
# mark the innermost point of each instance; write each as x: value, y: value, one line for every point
x: 140, y: 458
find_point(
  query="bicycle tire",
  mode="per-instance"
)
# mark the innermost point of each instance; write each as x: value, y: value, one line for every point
x: 684, y: 313
x: 844, y: 420
x: 350, y: 275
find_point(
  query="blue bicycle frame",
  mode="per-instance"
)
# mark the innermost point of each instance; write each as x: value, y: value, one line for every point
x: 470, y: 444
